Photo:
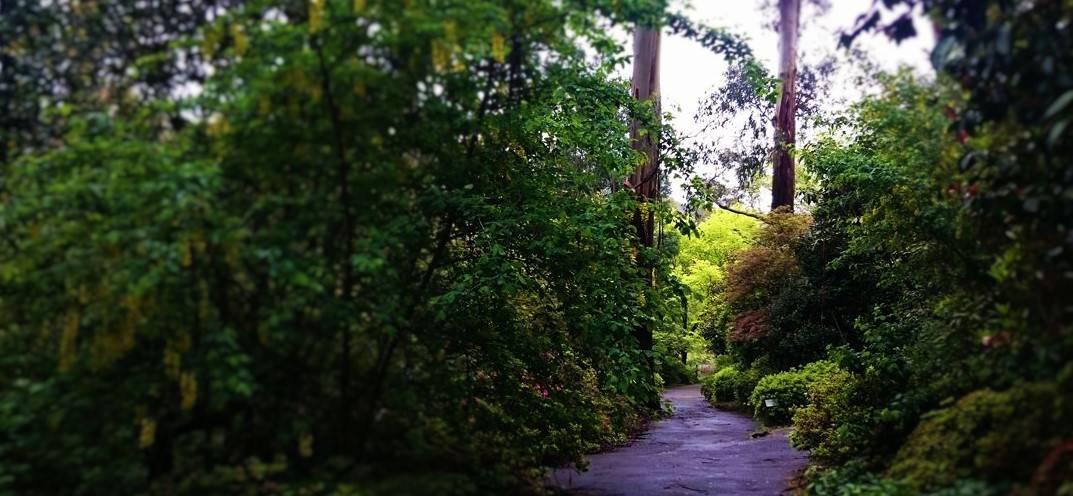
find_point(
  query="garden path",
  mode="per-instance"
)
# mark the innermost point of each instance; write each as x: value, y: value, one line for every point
x: 698, y: 450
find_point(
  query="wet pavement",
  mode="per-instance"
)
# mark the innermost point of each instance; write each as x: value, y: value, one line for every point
x: 698, y: 450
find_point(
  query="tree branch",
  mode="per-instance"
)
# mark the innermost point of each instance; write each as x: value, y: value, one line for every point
x: 728, y: 208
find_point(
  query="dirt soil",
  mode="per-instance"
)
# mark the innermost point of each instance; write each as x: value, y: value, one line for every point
x: 698, y: 450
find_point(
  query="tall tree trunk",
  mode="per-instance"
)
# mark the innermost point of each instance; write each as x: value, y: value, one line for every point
x: 782, y: 184
x: 645, y: 180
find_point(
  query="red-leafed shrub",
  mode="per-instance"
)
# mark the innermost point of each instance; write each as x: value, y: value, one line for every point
x: 749, y: 326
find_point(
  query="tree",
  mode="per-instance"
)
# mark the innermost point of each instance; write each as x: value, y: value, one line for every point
x: 95, y: 54
x: 645, y: 181
x: 185, y: 302
x: 782, y: 183
x: 747, y: 101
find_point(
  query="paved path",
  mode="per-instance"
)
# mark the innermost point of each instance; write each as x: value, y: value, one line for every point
x: 699, y: 450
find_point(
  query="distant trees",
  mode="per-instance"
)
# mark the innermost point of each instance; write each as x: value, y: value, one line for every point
x: 763, y: 110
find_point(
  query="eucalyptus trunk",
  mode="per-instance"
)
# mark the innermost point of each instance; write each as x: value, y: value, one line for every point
x: 645, y: 180
x: 782, y: 184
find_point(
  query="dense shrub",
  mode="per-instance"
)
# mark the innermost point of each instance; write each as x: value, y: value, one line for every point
x: 674, y: 372
x: 976, y: 236
x: 774, y: 311
x: 937, y: 265
x: 998, y: 436
x: 758, y: 272
x: 1055, y: 473
x: 828, y: 425
x: 747, y: 381
x: 369, y: 246
x: 853, y: 480
x: 789, y: 390
x: 721, y: 386
x: 757, y: 278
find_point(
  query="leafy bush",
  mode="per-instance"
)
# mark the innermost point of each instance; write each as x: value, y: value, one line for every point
x: 758, y: 277
x: 1055, y: 474
x: 746, y: 383
x: 825, y: 425
x: 937, y: 265
x: 674, y: 372
x: 423, y: 275
x: 789, y: 390
x: 853, y: 480
x: 773, y: 310
x: 997, y: 436
x: 759, y: 272
x: 721, y: 386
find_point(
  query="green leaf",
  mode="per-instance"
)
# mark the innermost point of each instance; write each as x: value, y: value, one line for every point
x: 1059, y: 104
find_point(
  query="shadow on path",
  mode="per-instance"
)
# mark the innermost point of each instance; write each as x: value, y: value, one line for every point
x: 698, y: 450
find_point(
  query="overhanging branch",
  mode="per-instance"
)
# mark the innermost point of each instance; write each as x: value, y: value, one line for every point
x: 728, y: 208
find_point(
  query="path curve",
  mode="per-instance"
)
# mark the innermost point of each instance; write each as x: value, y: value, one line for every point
x: 698, y: 450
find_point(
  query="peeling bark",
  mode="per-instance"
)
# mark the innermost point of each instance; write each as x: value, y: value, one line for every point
x: 645, y: 180
x: 782, y: 183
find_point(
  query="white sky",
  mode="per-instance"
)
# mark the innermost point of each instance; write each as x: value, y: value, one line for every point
x: 690, y: 72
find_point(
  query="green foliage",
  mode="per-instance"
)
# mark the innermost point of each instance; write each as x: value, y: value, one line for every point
x: 884, y: 279
x: 788, y: 389
x: 382, y: 247
x: 747, y: 382
x: 882, y: 249
x: 721, y: 386
x: 383, y: 238
x: 673, y: 371
x: 772, y: 312
x: 997, y: 436
x: 935, y: 265
x: 828, y: 425
x: 91, y: 54
x: 853, y: 480
x: 936, y: 197
x: 701, y: 263
x: 702, y: 259
x: 731, y: 386
x: 899, y: 231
